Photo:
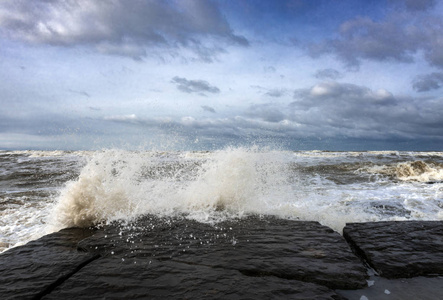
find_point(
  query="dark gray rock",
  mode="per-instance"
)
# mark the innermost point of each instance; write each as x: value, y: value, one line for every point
x: 399, y: 249
x: 415, y: 288
x: 304, y: 251
x: 32, y: 270
x: 251, y: 258
x: 112, y: 278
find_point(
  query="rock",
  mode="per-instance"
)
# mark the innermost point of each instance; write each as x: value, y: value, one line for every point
x: 380, y: 288
x: 305, y: 251
x: 250, y: 258
x: 399, y: 249
x: 112, y: 278
x: 34, y: 269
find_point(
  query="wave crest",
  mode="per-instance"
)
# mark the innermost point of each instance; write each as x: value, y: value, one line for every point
x: 123, y: 185
x: 419, y: 171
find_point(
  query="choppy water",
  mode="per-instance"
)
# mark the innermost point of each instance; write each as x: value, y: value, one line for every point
x: 43, y: 191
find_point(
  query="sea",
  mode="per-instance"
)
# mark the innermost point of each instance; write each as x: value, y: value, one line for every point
x: 45, y: 191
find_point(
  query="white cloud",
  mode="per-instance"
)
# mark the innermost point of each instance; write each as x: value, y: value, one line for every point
x: 122, y: 118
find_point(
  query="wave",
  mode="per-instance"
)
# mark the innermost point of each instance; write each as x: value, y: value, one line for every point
x: 419, y: 171
x: 236, y: 182
x: 123, y: 185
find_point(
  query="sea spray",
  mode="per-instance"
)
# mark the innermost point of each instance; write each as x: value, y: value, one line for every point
x: 418, y: 170
x: 43, y: 191
x: 331, y: 188
x: 123, y: 185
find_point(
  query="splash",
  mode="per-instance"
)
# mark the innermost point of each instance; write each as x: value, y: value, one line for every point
x: 418, y: 171
x: 235, y: 182
x: 207, y: 186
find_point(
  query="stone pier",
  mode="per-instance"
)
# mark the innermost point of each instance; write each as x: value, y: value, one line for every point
x: 251, y: 258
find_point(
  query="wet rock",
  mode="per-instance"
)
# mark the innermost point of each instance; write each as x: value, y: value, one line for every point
x: 112, y: 278
x: 251, y: 258
x: 399, y: 249
x: 380, y: 288
x: 34, y: 269
x: 305, y: 251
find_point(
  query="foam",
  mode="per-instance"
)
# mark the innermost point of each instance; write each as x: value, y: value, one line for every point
x: 410, y: 171
x: 118, y: 184
x: 234, y: 182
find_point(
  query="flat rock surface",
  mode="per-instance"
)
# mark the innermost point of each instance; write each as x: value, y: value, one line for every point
x: 304, y: 251
x: 416, y: 288
x: 251, y: 258
x: 30, y: 271
x: 112, y: 278
x: 399, y: 249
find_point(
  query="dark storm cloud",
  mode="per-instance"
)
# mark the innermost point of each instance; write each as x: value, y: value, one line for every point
x: 398, y: 37
x: 335, y: 109
x: 194, y: 86
x: 328, y: 74
x: 114, y: 27
x: 424, y: 83
x: 327, y: 110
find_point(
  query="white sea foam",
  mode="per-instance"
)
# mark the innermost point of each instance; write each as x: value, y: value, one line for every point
x: 330, y: 187
x: 21, y: 221
x: 119, y: 184
x: 410, y: 171
x: 212, y: 186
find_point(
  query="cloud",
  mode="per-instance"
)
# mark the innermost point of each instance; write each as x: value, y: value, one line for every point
x: 82, y: 93
x: 269, y: 69
x: 122, y: 118
x: 424, y: 83
x: 275, y: 93
x: 339, y: 109
x: 328, y: 110
x: 416, y: 5
x: 265, y: 112
x: 194, y: 86
x: 398, y: 37
x: 208, y: 109
x: 271, y: 92
x: 328, y: 74
x: 114, y: 27
x: 45, y: 124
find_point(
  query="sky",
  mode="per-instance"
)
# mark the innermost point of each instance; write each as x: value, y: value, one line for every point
x: 202, y: 75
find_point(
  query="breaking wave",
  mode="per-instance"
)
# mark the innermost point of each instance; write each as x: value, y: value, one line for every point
x: 419, y: 171
x: 207, y: 187
x: 333, y: 188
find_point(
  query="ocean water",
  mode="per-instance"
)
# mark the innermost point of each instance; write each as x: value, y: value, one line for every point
x: 44, y: 191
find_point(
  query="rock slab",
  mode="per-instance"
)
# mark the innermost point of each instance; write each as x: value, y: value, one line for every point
x: 111, y: 278
x: 254, y: 246
x: 33, y: 270
x: 250, y: 258
x: 399, y: 249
